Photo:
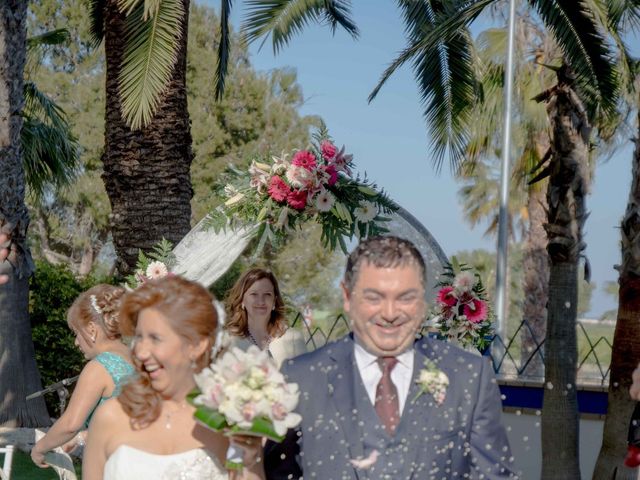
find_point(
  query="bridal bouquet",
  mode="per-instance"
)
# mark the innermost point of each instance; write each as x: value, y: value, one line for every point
x: 462, y: 310
x: 244, y: 393
x: 312, y: 184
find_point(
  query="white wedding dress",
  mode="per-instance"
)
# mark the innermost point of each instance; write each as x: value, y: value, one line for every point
x: 129, y: 463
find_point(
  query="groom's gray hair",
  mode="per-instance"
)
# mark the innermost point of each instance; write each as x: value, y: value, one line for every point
x: 383, y: 252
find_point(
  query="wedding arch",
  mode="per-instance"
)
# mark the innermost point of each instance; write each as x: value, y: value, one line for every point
x: 204, y: 255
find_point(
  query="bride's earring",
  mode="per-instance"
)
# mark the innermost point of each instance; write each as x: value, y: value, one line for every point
x: 243, y: 307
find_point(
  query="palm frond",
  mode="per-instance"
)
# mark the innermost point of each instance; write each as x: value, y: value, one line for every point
x: 149, y: 59
x: 224, y: 47
x: 282, y: 19
x: 96, y: 20
x: 53, y: 37
x: 439, y: 31
x: 445, y: 75
x: 50, y: 151
x: 624, y: 14
x: 576, y: 30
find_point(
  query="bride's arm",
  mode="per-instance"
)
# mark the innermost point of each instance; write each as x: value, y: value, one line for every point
x: 104, y: 425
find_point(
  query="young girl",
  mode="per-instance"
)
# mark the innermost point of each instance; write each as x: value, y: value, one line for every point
x: 94, y: 320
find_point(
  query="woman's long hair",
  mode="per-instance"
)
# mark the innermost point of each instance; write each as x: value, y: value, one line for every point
x: 189, y: 309
x: 100, y: 305
x: 237, y: 319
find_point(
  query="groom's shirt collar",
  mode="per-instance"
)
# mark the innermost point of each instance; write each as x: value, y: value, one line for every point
x: 370, y: 373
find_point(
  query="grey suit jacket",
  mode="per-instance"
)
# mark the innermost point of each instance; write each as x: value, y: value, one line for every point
x: 460, y: 438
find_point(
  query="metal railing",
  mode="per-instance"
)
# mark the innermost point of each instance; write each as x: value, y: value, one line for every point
x: 509, y: 358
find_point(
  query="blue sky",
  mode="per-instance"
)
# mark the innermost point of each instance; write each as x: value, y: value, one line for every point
x: 389, y: 139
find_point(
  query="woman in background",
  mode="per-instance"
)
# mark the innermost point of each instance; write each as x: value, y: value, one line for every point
x: 256, y: 316
x: 94, y: 320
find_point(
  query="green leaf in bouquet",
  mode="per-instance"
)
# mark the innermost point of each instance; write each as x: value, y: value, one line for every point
x: 262, y: 215
x: 372, y: 192
x: 262, y: 427
x: 211, y: 418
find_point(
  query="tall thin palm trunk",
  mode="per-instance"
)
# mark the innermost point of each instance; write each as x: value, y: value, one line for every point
x: 626, y: 339
x: 18, y: 372
x: 536, y: 275
x: 568, y: 181
x: 146, y: 172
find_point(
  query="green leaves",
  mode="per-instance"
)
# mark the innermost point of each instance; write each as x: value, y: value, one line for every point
x: 49, y: 148
x: 576, y: 30
x: 282, y: 19
x: 153, y: 31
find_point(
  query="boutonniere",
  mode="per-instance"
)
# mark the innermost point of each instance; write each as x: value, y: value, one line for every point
x: 432, y: 380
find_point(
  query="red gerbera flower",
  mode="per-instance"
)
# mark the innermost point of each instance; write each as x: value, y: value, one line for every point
x: 476, y: 311
x: 297, y: 199
x: 305, y: 159
x: 278, y: 189
x: 446, y: 297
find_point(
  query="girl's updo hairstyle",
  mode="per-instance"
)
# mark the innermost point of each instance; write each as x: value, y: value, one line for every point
x: 189, y: 309
x: 100, y: 305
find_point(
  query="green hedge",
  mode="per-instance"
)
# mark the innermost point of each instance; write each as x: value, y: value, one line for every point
x: 53, y: 289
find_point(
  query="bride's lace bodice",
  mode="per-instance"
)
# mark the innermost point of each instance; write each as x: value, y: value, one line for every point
x: 128, y: 463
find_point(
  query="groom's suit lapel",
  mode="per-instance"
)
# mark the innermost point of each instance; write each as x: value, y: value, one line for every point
x: 417, y: 414
x: 342, y: 384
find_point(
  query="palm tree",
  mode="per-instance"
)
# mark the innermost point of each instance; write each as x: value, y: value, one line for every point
x: 15, y: 332
x: 44, y: 157
x: 147, y: 155
x: 567, y: 168
x: 626, y: 341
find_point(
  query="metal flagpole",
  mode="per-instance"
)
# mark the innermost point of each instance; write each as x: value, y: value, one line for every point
x: 503, y: 230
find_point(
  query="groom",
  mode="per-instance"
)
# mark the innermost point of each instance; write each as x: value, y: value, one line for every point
x: 363, y: 413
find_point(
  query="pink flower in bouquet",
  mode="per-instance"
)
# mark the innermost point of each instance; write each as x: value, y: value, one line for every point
x: 278, y: 411
x: 331, y: 173
x: 249, y: 411
x: 342, y: 161
x: 464, y: 282
x: 476, y: 311
x: 297, y: 199
x: 446, y: 297
x: 278, y: 189
x: 305, y: 159
x: 300, y: 177
x: 328, y: 150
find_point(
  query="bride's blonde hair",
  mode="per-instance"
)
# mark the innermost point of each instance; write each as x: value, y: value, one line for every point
x: 189, y: 309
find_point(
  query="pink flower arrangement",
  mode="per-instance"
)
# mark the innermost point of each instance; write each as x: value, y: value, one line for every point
x: 314, y: 184
x: 462, y: 311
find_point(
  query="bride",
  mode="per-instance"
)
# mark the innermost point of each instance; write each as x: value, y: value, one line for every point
x: 149, y: 431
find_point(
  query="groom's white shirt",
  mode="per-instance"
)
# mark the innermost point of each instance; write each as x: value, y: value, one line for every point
x: 371, y: 374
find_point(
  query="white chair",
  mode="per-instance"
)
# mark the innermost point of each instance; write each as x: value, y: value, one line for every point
x: 5, y: 472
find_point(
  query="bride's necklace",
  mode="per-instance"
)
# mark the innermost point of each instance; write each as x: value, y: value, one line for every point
x: 169, y: 415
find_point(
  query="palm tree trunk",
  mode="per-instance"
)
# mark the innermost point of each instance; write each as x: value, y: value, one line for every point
x: 147, y: 171
x: 536, y: 285
x: 18, y: 372
x: 568, y: 181
x: 626, y: 340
